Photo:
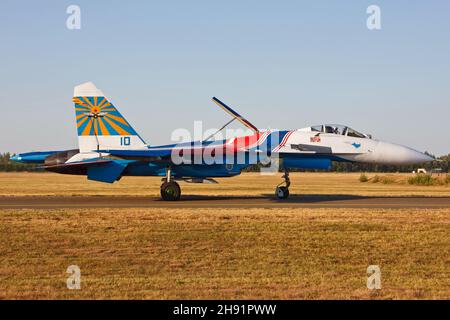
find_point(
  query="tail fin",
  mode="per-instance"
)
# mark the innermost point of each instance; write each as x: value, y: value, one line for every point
x: 99, y: 124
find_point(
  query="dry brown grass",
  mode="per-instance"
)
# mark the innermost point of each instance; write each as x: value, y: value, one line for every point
x: 225, y: 253
x: 248, y: 184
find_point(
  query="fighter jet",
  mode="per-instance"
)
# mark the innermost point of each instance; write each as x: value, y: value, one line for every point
x: 109, y: 148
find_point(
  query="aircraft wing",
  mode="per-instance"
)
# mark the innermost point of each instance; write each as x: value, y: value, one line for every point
x: 165, y: 154
x: 76, y: 164
x: 148, y: 155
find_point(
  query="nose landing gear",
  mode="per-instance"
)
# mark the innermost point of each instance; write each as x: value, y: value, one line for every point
x: 170, y: 190
x: 282, y: 192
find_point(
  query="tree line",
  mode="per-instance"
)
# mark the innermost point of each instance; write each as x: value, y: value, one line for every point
x: 6, y: 165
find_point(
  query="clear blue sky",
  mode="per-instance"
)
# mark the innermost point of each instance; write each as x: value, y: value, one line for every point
x: 283, y: 65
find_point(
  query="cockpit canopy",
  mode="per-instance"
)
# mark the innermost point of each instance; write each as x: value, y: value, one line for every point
x: 339, y: 130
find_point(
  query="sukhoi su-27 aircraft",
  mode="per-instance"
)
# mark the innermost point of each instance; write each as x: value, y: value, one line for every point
x: 109, y: 148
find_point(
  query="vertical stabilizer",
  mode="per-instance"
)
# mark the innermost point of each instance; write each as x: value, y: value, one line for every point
x: 100, y: 125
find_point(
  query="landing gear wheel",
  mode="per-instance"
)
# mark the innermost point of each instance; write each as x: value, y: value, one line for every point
x: 282, y: 192
x: 170, y: 191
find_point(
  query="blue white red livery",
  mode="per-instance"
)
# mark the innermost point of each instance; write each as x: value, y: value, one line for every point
x: 109, y: 148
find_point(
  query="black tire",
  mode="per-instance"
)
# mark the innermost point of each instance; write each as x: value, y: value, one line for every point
x: 282, y: 192
x: 170, y: 191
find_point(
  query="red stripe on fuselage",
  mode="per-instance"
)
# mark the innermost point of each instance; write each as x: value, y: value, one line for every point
x: 283, y: 142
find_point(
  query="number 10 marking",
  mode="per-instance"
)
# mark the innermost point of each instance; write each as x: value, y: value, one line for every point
x: 125, y: 141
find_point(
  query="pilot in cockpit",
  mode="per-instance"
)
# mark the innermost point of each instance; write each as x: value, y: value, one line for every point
x: 329, y: 129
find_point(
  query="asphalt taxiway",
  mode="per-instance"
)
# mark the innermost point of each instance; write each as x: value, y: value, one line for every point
x: 267, y: 201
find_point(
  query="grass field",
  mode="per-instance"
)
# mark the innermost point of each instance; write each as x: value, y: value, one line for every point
x: 249, y: 184
x: 162, y: 253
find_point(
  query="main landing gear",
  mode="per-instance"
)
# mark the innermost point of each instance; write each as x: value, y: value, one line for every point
x: 170, y: 190
x: 282, y: 192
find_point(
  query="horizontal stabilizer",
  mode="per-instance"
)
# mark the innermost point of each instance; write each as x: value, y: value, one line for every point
x: 98, y: 169
x: 106, y: 172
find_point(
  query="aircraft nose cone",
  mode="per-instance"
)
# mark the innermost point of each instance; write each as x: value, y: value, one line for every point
x: 395, y: 154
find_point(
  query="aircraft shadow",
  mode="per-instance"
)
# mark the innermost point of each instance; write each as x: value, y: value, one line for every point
x: 216, y: 198
x: 314, y: 198
x: 301, y: 198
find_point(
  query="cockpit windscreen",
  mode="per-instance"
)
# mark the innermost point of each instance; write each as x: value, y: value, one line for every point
x: 338, y: 129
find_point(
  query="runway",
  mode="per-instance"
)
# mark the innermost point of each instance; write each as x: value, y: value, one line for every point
x: 269, y: 201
